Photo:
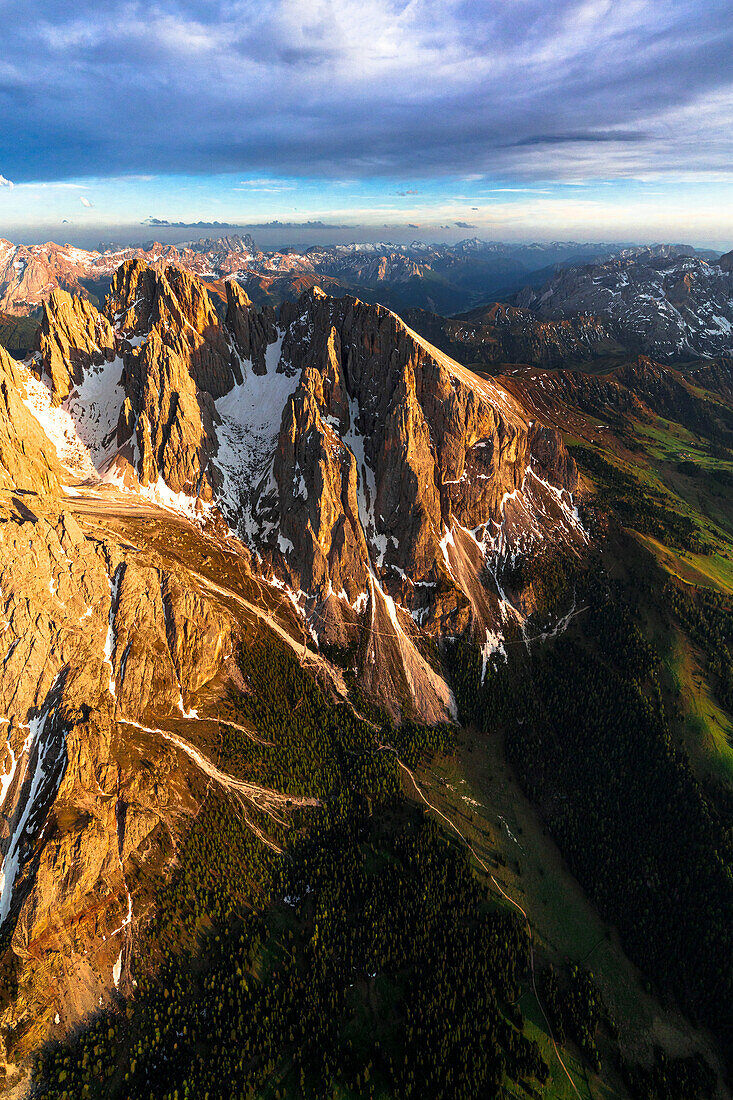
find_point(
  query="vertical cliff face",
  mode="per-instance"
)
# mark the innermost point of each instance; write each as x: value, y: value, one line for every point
x: 140, y: 379
x: 74, y: 336
x: 28, y: 459
x: 176, y: 361
x: 387, y: 446
x: 251, y: 330
x: 177, y: 308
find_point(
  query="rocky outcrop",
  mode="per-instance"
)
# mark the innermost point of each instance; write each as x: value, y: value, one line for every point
x: 384, y: 444
x: 315, y: 506
x: 175, y: 359
x: 178, y: 308
x: 141, y: 379
x: 341, y: 443
x: 252, y: 329
x: 28, y: 461
x: 73, y: 336
x: 198, y: 634
x: 387, y: 448
x: 169, y: 419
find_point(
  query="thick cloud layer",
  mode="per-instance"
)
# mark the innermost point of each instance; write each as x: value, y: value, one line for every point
x: 523, y: 89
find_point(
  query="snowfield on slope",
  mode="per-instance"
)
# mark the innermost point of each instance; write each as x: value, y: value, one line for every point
x: 94, y: 406
x: 58, y: 426
x: 251, y: 414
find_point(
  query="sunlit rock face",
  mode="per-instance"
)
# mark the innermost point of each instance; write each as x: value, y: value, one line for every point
x: 353, y: 457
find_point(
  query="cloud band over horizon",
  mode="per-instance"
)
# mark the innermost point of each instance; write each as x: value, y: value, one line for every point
x: 391, y: 101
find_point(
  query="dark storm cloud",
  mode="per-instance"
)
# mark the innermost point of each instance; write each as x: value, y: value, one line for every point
x: 585, y: 136
x: 527, y: 89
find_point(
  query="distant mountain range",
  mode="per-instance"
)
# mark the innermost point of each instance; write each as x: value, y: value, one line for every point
x: 482, y: 302
x: 438, y: 277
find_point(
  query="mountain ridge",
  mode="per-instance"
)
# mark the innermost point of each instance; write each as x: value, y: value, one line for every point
x: 669, y: 307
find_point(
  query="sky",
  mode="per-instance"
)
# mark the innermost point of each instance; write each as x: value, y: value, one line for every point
x: 375, y: 119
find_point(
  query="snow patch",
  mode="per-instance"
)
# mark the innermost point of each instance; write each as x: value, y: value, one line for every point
x: 109, y: 641
x: 7, y: 778
x: 159, y: 493
x: 45, y: 760
x: 366, y: 484
x: 251, y: 414
x: 117, y: 970
x: 58, y: 426
x: 95, y: 405
x: 494, y: 644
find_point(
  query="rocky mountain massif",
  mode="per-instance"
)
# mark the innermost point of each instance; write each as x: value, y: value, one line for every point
x: 664, y: 303
x: 359, y: 463
x: 674, y: 308
x: 252, y: 563
x: 372, y: 487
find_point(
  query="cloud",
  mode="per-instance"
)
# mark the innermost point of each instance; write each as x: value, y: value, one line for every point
x: 295, y: 225
x: 271, y: 186
x: 51, y: 185
x: 6, y: 183
x: 465, y: 225
x: 582, y: 137
x: 516, y: 191
x: 520, y: 92
x: 86, y: 202
x: 409, y: 191
x: 164, y: 223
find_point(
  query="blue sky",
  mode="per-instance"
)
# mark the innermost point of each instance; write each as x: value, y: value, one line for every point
x: 437, y: 119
